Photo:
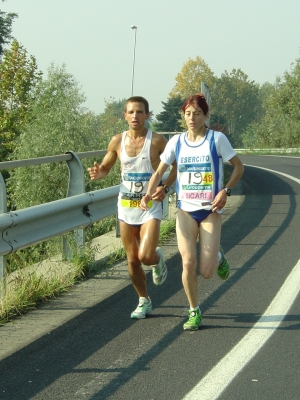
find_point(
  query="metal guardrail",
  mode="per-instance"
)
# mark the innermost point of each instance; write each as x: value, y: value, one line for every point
x: 27, y: 227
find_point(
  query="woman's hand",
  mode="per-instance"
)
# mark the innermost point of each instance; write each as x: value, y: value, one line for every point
x: 159, y: 194
x: 219, y: 201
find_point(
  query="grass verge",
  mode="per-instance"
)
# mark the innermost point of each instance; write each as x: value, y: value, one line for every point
x: 28, y: 287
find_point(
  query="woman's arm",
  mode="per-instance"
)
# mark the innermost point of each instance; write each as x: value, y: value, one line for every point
x: 153, y: 183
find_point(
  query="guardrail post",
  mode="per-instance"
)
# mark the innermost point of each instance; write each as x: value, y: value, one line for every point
x: 76, y: 186
x: 118, y: 233
x: 3, y: 209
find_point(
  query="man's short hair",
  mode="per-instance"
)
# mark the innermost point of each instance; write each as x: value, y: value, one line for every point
x: 137, y: 99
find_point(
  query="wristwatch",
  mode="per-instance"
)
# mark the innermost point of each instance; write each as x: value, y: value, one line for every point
x: 227, y: 190
x: 167, y: 189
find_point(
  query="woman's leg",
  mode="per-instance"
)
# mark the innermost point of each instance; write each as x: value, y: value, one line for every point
x: 187, y: 232
x: 210, y: 234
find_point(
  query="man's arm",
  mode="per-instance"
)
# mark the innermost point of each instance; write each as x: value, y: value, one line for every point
x: 100, y: 171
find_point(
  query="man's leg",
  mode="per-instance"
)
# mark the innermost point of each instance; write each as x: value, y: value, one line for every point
x: 150, y: 254
x: 130, y: 236
x: 149, y: 235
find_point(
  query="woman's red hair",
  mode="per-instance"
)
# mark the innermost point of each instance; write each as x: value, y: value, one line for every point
x: 199, y: 99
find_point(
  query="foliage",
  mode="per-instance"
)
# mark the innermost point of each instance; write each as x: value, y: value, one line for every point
x: 169, y: 120
x: 111, y: 123
x: 192, y: 74
x: 18, y: 78
x: 6, y: 20
x: 280, y: 125
x: 100, y: 227
x: 265, y: 91
x: 235, y: 103
x: 112, y: 120
x: 114, y: 107
x: 59, y: 124
x: 33, y: 254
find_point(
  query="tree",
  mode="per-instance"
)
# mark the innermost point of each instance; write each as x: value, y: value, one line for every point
x: 235, y: 102
x: 115, y: 107
x: 112, y: 120
x: 169, y: 120
x: 265, y: 91
x: 6, y: 20
x: 192, y: 74
x: 18, y: 77
x: 59, y: 123
x: 279, y: 126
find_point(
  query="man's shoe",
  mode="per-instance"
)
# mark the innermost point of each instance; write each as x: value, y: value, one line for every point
x: 159, y: 271
x: 194, y: 322
x: 223, y: 269
x: 144, y: 308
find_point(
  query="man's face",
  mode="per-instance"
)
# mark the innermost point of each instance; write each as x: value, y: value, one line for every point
x: 136, y: 115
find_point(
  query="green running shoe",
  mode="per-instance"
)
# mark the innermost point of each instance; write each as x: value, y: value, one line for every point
x: 223, y: 269
x: 194, y: 322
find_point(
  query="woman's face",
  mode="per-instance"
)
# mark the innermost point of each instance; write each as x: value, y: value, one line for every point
x: 194, y: 117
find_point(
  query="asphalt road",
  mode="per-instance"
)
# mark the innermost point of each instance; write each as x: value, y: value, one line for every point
x: 85, y: 346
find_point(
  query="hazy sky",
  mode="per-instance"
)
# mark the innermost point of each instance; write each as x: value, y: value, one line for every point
x: 94, y: 39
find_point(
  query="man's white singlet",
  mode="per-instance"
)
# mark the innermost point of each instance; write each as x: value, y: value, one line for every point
x: 199, y: 168
x: 136, y: 173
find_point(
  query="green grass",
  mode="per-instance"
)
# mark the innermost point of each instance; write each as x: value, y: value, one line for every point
x: 27, y: 290
x: 166, y: 229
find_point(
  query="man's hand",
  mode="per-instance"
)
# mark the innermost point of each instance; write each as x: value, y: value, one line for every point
x: 144, y: 201
x: 94, y: 171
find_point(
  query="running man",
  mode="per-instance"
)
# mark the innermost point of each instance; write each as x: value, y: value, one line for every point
x: 138, y: 150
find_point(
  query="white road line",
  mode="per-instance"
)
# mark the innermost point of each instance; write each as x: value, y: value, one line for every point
x: 219, y: 377
x: 216, y: 381
x: 276, y: 172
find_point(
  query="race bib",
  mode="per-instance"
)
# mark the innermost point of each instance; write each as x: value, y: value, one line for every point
x: 134, y: 203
